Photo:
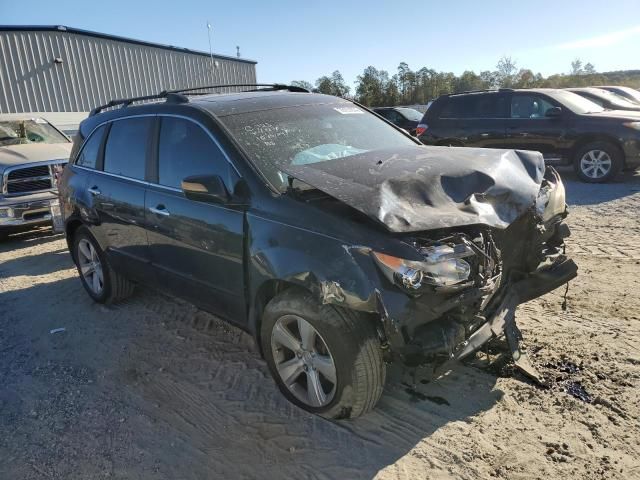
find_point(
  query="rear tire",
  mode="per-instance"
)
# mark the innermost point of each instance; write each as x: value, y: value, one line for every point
x: 100, y: 280
x: 343, y: 339
x: 598, y: 162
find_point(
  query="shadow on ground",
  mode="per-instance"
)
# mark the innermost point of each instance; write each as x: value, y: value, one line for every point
x: 580, y: 193
x: 154, y: 387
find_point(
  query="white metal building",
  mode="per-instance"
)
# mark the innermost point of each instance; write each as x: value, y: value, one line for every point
x: 63, y: 69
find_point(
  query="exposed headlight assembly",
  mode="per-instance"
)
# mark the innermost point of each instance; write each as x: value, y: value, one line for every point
x: 551, y: 200
x: 443, y: 265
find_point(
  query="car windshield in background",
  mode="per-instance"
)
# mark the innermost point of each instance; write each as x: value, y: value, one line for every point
x: 616, y: 99
x: 36, y: 130
x: 575, y: 102
x: 275, y: 139
x: 410, y: 114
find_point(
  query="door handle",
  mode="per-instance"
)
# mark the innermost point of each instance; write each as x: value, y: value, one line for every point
x: 94, y: 191
x: 160, y: 210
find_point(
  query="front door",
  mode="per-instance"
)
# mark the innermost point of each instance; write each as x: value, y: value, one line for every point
x: 196, y: 247
x: 118, y: 196
x: 528, y: 127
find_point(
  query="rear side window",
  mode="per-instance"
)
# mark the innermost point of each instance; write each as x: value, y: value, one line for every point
x: 529, y: 106
x: 185, y: 149
x: 474, y: 106
x: 89, y: 154
x: 126, y: 148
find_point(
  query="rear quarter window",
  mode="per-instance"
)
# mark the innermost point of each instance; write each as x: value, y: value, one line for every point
x: 88, y: 156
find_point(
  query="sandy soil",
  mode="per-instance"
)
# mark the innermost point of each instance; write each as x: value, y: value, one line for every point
x: 154, y: 388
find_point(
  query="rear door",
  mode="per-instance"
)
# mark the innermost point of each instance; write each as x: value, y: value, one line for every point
x: 196, y: 247
x: 528, y: 127
x: 118, y: 195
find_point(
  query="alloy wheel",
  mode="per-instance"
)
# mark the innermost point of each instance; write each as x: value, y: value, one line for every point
x: 90, y: 266
x: 595, y: 164
x: 303, y: 360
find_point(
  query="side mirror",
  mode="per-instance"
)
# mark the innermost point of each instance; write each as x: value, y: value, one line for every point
x: 205, y: 188
x: 553, y: 112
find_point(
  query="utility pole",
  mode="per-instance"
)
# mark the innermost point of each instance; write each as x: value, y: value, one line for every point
x: 210, y: 50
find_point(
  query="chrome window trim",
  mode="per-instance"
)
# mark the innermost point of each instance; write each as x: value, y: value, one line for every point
x: 173, y: 115
x: 5, y: 176
x: 130, y: 179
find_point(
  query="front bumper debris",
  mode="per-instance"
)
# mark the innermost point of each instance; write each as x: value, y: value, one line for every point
x: 503, y: 321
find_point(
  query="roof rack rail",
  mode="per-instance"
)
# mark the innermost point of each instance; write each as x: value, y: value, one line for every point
x: 271, y: 87
x: 180, y: 95
x: 482, y: 90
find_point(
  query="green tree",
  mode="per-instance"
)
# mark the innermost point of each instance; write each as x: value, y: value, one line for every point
x: 340, y: 88
x: 576, y: 67
x: 372, y: 86
x: 505, y: 73
x: 302, y: 84
x: 333, y: 85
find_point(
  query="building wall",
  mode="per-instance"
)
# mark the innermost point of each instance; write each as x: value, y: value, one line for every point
x: 95, y: 70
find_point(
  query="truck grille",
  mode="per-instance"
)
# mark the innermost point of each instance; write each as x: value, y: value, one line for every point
x: 29, y: 179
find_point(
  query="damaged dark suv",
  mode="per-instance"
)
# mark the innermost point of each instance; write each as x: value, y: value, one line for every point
x: 333, y: 237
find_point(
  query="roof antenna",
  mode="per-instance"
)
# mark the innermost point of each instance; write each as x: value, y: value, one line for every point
x: 238, y: 51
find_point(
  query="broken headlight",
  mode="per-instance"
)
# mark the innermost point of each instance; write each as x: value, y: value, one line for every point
x: 443, y: 265
x: 551, y: 199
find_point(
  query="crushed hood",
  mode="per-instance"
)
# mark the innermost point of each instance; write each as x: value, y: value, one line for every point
x: 425, y: 188
x: 33, y: 152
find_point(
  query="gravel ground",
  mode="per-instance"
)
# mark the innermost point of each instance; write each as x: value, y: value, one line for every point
x: 153, y: 388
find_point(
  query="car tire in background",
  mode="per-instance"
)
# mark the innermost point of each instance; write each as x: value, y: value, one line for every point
x: 598, y: 162
x: 100, y: 280
x: 325, y: 359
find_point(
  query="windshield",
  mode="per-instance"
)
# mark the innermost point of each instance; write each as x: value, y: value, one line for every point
x: 277, y: 138
x: 410, y: 114
x: 575, y: 102
x: 615, y: 99
x: 631, y: 93
x: 35, y: 130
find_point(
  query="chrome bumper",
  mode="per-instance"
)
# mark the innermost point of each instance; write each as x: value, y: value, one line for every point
x: 26, y: 213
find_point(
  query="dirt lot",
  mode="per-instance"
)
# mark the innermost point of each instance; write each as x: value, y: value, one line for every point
x: 154, y: 388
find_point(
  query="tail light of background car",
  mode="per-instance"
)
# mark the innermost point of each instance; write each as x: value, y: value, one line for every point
x: 421, y: 128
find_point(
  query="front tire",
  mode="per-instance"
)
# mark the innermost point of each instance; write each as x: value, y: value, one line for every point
x: 598, y: 162
x: 100, y: 280
x: 325, y: 359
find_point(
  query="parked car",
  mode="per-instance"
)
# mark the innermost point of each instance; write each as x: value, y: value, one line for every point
x: 333, y: 237
x: 566, y: 128
x: 403, y: 117
x: 32, y: 152
x: 631, y: 94
x: 605, y: 98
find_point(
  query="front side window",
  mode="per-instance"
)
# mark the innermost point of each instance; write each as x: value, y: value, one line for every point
x: 529, y: 106
x: 185, y: 149
x: 303, y: 134
x: 126, y: 149
x: 89, y: 154
x: 34, y: 130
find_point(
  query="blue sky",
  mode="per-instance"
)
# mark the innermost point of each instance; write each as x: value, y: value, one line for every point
x: 295, y: 40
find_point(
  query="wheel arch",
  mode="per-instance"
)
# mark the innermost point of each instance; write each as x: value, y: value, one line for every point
x: 584, y: 140
x: 71, y: 227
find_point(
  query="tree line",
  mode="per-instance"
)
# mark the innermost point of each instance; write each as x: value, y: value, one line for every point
x: 375, y: 87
